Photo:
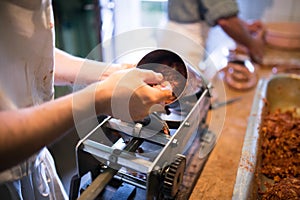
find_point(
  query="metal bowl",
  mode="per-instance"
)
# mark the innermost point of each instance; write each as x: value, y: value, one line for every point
x: 284, y: 35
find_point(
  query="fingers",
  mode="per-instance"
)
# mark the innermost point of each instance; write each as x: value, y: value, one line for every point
x: 258, y: 24
x: 157, y: 108
x: 127, y: 66
x: 259, y: 34
x: 255, y: 26
x: 162, y: 91
x: 165, y: 96
x: 162, y: 95
x: 166, y: 92
x: 150, y: 77
x: 156, y: 94
x: 144, y: 99
x: 257, y: 56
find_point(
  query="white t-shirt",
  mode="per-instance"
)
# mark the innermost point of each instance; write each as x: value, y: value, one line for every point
x: 26, y: 79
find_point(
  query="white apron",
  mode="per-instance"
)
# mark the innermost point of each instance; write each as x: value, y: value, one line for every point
x: 26, y: 79
x: 189, y: 41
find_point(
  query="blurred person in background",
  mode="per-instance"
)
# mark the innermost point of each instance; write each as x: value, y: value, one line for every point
x: 192, y: 18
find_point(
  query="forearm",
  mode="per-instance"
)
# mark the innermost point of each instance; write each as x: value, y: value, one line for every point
x: 125, y: 95
x: 237, y: 30
x: 70, y: 69
x: 24, y: 131
x: 249, y: 36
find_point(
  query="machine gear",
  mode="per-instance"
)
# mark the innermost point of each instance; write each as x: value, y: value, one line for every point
x: 173, y: 177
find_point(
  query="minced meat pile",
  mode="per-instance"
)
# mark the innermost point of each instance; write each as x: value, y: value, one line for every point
x: 287, y: 188
x: 280, y: 151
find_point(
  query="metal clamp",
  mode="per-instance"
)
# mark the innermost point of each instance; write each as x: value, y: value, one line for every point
x: 137, y: 130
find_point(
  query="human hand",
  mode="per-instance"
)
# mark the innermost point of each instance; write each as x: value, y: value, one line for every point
x: 126, y: 94
x: 114, y: 68
x: 256, y: 47
x: 255, y: 27
x: 250, y: 35
x: 256, y: 50
x: 117, y: 67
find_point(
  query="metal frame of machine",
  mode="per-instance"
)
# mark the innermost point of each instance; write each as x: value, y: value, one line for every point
x: 112, y: 150
x: 171, y: 152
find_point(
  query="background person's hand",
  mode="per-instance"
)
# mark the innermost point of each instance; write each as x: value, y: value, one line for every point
x: 248, y: 35
x: 255, y: 26
x: 129, y: 97
x: 256, y: 48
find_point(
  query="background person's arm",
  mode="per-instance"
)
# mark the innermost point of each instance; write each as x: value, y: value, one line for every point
x: 225, y: 13
x: 248, y: 36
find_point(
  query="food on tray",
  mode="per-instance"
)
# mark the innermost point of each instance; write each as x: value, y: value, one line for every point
x: 280, y: 144
x: 272, y: 142
x: 287, y: 188
x: 280, y: 154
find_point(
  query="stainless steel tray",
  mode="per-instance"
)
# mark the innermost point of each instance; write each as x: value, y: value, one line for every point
x: 280, y: 91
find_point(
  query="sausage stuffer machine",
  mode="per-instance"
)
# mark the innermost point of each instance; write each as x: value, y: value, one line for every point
x: 157, y: 158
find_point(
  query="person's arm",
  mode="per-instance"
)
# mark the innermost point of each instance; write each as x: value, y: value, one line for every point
x: 238, y: 30
x: 70, y: 69
x: 225, y: 14
x: 24, y: 131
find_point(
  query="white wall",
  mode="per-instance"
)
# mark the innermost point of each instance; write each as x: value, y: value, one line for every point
x: 128, y: 15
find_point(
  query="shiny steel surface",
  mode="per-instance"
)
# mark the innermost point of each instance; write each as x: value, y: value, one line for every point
x: 158, y: 148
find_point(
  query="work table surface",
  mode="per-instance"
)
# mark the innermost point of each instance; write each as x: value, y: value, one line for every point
x: 217, y: 179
